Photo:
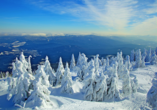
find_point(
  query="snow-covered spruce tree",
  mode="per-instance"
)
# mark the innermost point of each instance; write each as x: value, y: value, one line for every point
x: 107, y: 63
x: 96, y: 64
x: 134, y: 85
x: 49, y: 71
x: 29, y: 64
x: 7, y: 74
x: 60, y: 72
x: 83, y: 66
x: 103, y: 61
x: 127, y: 63
x: 132, y: 56
x: 23, y: 60
x: 144, y: 54
x: 149, y: 54
x: 39, y: 97
x: 72, y: 62
x: 156, y: 50
x: 40, y: 73
x: 66, y: 84
x: 113, y: 92
x: 153, y: 59
x: 19, y: 84
x: 120, y: 67
x: 152, y: 94
x: 126, y: 85
x: 79, y: 60
x: 138, y: 58
x: 2, y: 75
x: 90, y: 82
x: 143, y: 62
x: 100, y: 87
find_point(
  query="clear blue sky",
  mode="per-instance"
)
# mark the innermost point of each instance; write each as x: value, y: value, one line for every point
x: 59, y: 17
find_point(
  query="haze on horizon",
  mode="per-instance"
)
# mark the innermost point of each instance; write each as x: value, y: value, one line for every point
x: 79, y: 17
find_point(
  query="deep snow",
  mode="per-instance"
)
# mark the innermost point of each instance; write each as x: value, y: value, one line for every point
x: 63, y: 101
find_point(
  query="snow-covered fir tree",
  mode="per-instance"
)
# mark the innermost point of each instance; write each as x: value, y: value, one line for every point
x: 60, y: 72
x: 153, y: 60
x: 156, y: 50
x: 120, y: 66
x: 72, y: 62
x: 112, y: 83
x: 1, y: 75
x: 132, y: 56
x: 107, y: 63
x: 144, y: 55
x: 7, y: 74
x: 29, y: 64
x: 19, y: 84
x: 143, y: 62
x: 127, y: 63
x: 152, y: 94
x: 134, y: 85
x: 66, y: 84
x: 96, y: 64
x: 83, y: 65
x: 79, y: 59
x: 23, y: 60
x: 90, y: 82
x: 100, y: 87
x: 39, y: 97
x: 40, y: 73
x: 49, y: 71
x: 126, y: 85
x: 138, y: 58
x: 149, y: 54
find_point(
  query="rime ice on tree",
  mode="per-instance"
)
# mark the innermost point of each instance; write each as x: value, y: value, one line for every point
x: 132, y: 56
x: 49, y: 71
x: 152, y: 94
x: 40, y: 95
x: 72, y: 62
x: 126, y: 86
x: 60, y: 72
x: 90, y: 82
x: 66, y: 84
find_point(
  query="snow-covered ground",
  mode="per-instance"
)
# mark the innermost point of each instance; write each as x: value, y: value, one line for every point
x: 63, y: 101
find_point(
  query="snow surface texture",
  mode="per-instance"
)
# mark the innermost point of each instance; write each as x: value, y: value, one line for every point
x: 112, y: 84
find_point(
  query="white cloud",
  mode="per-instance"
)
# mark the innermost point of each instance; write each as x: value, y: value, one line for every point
x: 147, y: 27
x: 115, y: 14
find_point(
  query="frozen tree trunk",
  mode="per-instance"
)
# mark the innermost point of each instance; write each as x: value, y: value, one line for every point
x: 66, y: 86
x: 72, y: 63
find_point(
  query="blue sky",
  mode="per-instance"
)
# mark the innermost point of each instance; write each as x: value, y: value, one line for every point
x: 80, y: 17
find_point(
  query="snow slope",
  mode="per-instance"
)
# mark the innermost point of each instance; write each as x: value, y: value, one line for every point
x: 136, y: 101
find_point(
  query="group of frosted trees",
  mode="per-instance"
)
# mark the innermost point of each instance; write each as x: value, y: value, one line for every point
x: 100, y: 78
